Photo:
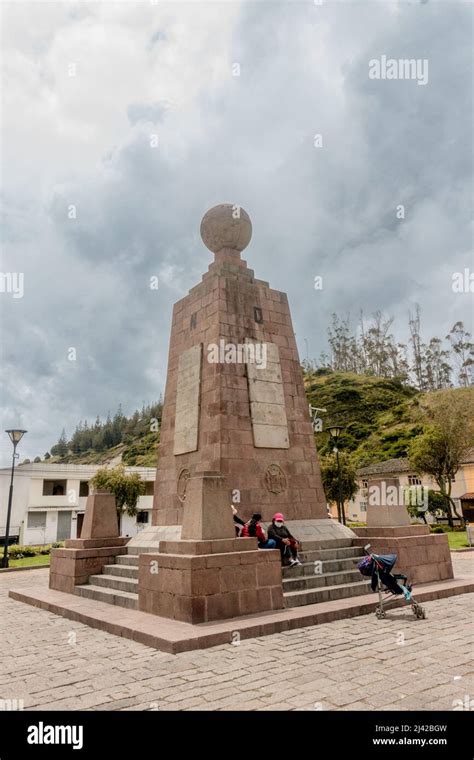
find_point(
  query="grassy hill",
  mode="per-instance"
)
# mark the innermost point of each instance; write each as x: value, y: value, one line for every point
x: 140, y: 452
x: 380, y: 417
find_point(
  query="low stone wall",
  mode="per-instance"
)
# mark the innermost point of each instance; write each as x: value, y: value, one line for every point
x: 201, y: 581
x: 423, y: 556
x: 80, y: 558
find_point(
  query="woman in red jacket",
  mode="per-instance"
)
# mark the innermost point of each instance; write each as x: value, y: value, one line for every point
x: 252, y: 528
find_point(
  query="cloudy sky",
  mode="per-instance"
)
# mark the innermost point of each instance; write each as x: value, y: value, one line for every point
x: 90, y: 88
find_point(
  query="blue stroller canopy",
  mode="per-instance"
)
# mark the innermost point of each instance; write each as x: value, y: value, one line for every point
x: 387, y: 561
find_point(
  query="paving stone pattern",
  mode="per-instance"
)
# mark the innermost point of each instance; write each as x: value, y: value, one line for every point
x: 54, y: 663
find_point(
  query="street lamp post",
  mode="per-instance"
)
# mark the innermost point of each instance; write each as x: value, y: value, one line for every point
x: 15, y: 437
x: 335, y: 431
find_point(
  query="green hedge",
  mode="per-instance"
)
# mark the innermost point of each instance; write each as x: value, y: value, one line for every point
x: 16, y: 551
x: 447, y: 529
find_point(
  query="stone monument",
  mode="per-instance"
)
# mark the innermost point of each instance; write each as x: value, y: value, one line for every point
x: 386, y: 504
x: 99, y: 545
x: 235, y: 402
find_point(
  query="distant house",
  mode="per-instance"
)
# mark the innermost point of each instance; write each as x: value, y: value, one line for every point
x: 462, y: 491
x: 467, y: 503
x: 49, y: 501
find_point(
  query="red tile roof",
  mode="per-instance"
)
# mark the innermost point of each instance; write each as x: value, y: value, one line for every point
x: 402, y: 465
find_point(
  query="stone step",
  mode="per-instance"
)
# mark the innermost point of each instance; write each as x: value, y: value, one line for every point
x: 143, y: 550
x: 338, y: 579
x: 112, y: 596
x: 334, y: 543
x: 115, y: 582
x: 124, y: 571
x: 327, y: 566
x: 317, y: 581
x: 326, y: 554
x: 326, y: 594
x: 127, y: 559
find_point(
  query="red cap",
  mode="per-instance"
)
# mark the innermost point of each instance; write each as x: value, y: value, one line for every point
x: 279, y: 516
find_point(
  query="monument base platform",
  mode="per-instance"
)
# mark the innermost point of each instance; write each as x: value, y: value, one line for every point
x: 174, y: 636
x: 148, y: 539
x: 423, y: 556
x: 325, y: 529
x: 205, y: 580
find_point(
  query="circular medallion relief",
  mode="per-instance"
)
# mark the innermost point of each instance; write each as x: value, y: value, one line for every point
x: 182, y: 483
x: 275, y: 479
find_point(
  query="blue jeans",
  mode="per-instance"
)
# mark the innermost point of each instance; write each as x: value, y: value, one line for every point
x: 270, y: 543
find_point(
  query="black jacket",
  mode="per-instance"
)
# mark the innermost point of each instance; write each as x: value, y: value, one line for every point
x: 278, y: 533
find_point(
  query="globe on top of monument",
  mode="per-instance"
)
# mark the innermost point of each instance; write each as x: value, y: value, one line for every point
x: 226, y: 226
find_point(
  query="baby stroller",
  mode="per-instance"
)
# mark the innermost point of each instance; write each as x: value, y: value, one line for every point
x: 378, y: 567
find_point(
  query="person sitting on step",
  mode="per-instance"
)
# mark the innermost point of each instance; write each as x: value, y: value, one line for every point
x: 286, y: 543
x: 253, y: 528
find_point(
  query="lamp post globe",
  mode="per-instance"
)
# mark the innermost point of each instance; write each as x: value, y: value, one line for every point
x: 335, y: 431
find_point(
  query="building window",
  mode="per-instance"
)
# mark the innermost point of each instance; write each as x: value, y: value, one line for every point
x: 193, y: 320
x: 363, y: 506
x: 83, y: 488
x: 36, y: 520
x: 257, y: 313
x: 414, y: 480
x: 149, y: 488
x: 142, y: 517
x: 54, y: 487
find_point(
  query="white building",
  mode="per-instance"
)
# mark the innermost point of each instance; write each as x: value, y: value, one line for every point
x: 462, y: 488
x: 49, y: 501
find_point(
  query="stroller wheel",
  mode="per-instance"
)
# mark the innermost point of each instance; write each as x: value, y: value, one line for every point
x: 379, y: 613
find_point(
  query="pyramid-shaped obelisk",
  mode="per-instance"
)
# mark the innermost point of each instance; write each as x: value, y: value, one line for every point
x: 245, y: 420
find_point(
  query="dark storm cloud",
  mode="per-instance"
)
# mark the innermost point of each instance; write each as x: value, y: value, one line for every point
x: 247, y: 139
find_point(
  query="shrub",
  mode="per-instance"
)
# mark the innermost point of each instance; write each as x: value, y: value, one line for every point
x: 18, y: 552
x: 447, y: 529
x: 127, y: 488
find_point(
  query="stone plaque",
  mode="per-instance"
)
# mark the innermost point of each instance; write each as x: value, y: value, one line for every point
x: 267, y: 401
x: 186, y: 423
